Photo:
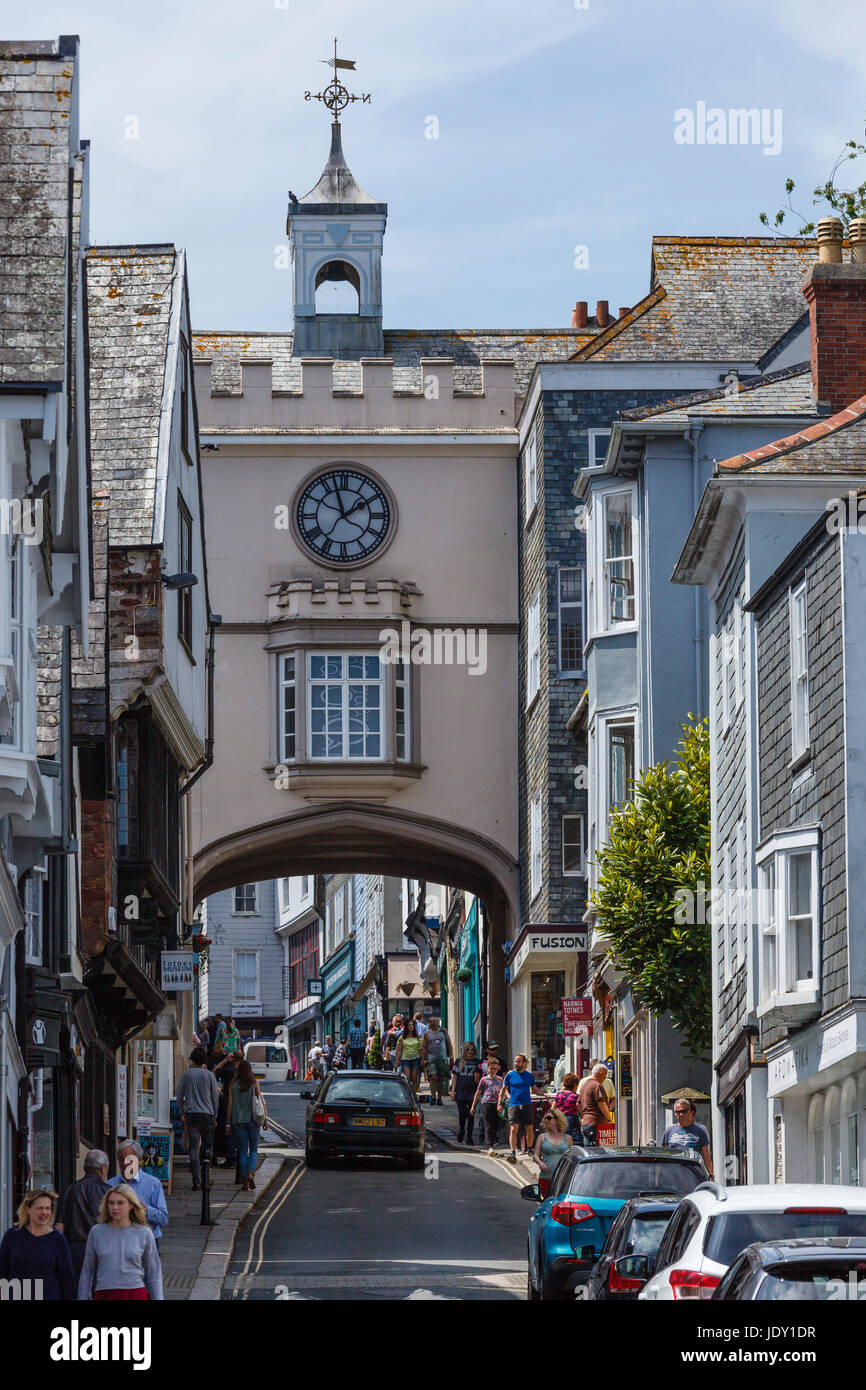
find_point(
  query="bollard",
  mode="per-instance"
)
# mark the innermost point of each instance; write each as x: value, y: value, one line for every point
x: 206, y: 1219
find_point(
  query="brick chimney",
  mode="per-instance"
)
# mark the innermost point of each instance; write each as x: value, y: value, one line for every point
x: 602, y: 313
x: 623, y: 310
x: 579, y: 314
x: 836, y: 295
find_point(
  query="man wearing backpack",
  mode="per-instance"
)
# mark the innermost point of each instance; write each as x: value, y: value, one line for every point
x: 437, y: 1056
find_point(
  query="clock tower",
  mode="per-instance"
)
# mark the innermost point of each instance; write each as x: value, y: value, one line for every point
x: 335, y: 232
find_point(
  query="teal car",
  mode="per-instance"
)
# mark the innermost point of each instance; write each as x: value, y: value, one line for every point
x: 587, y: 1190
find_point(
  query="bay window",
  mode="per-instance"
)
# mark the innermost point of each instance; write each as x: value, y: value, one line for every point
x: 618, y: 561
x: 343, y: 707
x: 790, y: 926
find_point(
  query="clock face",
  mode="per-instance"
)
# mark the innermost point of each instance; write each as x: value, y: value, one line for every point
x: 343, y: 516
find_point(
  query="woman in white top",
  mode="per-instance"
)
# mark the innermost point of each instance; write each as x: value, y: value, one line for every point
x: 120, y: 1259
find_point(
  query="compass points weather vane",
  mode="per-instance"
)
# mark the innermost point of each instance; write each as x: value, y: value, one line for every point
x: 335, y: 96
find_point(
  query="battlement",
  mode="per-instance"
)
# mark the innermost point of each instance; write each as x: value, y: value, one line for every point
x: 325, y: 396
x: 308, y: 598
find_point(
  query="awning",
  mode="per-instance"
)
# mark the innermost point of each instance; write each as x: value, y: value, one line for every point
x: 368, y: 981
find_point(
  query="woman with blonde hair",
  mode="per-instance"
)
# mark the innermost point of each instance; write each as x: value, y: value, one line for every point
x: 553, y: 1141
x: 120, y: 1259
x: 33, y: 1250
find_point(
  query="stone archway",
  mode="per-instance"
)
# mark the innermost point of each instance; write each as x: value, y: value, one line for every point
x: 351, y: 837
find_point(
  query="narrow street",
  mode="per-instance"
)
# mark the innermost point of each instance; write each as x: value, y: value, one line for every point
x: 372, y: 1229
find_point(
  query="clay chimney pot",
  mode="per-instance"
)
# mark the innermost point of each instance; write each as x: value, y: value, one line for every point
x: 830, y: 241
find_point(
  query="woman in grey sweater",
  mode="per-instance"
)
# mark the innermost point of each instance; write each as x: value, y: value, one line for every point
x: 120, y: 1259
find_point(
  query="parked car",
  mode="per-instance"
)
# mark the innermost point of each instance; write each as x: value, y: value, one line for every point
x: 364, y: 1112
x: 713, y: 1225
x: 629, y: 1252
x: 830, y: 1269
x: 587, y: 1190
x: 269, y: 1060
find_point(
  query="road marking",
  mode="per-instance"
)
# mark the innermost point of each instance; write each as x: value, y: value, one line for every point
x: 276, y: 1198
x: 506, y: 1266
x: 284, y: 1195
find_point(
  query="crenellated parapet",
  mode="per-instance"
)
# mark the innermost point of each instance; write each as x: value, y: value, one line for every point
x: 308, y: 598
x: 324, y: 396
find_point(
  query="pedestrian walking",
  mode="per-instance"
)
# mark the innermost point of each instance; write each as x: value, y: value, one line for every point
x: 341, y: 1054
x: 328, y: 1051
x: 147, y: 1189
x: 373, y: 1055
x: 420, y: 1025
x: 390, y: 1041
x: 518, y: 1085
x: 315, y: 1062
x: 224, y: 1144
x: 34, y: 1250
x: 465, y: 1076
x: 437, y: 1056
x: 491, y: 1053
x: 553, y: 1141
x: 202, y: 1037
x: 293, y: 1064
x: 487, y: 1096
x: 78, y: 1209
x: 233, y: 1045
x: 686, y: 1134
x: 407, y: 1057
x: 566, y: 1101
x: 592, y: 1102
x: 356, y: 1044
x: 121, y: 1263
x: 247, y: 1115
x: 198, y: 1096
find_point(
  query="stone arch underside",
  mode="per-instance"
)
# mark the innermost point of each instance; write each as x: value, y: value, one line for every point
x: 350, y: 837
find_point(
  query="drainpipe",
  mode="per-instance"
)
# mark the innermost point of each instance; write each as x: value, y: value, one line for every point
x: 693, y: 434
x: 215, y: 622
x: 4, y: 1006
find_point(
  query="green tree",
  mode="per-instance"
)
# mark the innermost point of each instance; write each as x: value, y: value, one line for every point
x: 656, y: 859
x: 845, y: 203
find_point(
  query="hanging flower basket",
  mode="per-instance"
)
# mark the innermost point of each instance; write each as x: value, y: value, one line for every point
x: 201, y: 945
x: 464, y: 975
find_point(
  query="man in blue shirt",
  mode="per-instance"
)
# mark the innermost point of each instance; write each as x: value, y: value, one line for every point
x: 517, y: 1086
x: 356, y: 1044
x: 686, y: 1134
x: 147, y: 1189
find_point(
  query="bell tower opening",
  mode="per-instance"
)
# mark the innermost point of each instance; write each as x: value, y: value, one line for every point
x: 338, y: 289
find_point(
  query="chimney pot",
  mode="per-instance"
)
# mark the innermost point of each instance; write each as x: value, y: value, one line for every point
x: 602, y: 313
x: 579, y: 315
x: 830, y: 241
x: 623, y: 310
x: 857, y: 238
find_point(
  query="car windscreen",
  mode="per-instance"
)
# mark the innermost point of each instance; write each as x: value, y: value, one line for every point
x: 374, y: 1090
x: 730, y: 1232
x: 819, y: 1281
x: 646, y: 1233
x: 628, y: 1177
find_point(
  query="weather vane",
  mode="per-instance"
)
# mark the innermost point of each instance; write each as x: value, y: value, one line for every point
x: 335, y: 96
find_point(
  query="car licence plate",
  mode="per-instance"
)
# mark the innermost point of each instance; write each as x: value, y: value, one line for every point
x: 369, y: 1122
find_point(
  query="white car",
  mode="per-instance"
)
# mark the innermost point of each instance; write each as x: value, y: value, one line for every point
x: 269, y: 1060
x: 713, y: 1224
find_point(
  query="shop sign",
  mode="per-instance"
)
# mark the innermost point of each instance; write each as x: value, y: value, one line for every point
x: 177, y: 970
x: 244, y: 1008
x: 122, y: 1086
x: 625, y: 1091
x: 731, y: 1075
x: 551, y: 940
x: 606, y: 1135
x: 814, y: 1054
x: 576, y: 1017
x: 314, y: 986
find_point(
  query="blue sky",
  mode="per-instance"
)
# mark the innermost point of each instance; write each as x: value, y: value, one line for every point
x: 556, y: 130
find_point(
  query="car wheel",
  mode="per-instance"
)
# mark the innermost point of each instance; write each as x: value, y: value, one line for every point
x: 312, y: 1159
x: 532, y: 1294
x: 416, y: 1161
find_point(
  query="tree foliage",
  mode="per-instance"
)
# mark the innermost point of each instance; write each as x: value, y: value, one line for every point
x: 845, y: 203
x: 658, y: 844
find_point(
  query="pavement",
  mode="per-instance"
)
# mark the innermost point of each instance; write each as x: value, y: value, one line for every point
x: 195, y: 1258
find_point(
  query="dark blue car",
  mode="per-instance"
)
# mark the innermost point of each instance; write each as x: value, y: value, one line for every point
x: 588, y: 1188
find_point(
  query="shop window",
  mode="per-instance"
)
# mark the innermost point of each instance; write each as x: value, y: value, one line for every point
x: 146, y: 1080
x: 546, y: 992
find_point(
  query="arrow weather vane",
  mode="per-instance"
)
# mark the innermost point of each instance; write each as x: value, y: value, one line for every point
x: 335, y: 96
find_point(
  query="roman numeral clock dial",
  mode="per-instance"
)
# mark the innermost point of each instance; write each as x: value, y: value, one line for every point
x: 343, y: 516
